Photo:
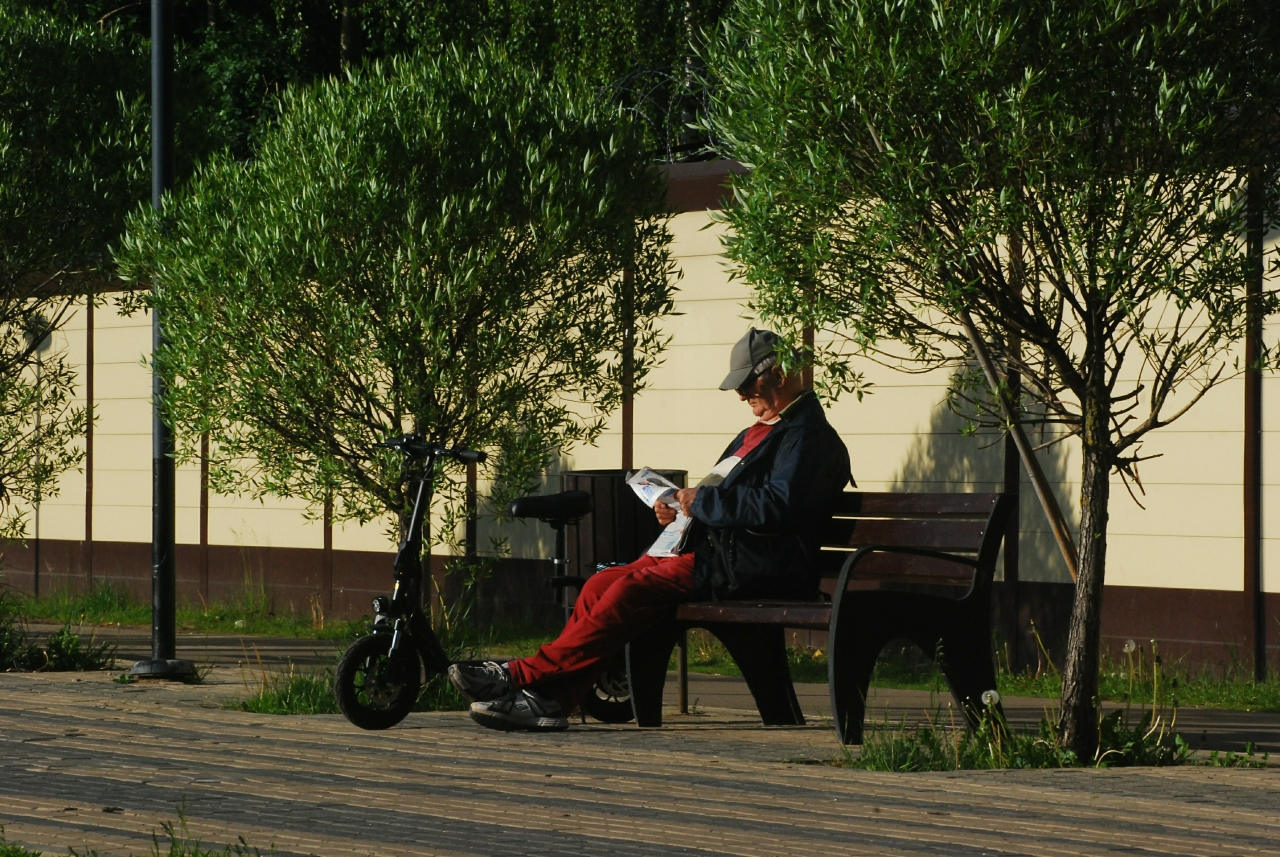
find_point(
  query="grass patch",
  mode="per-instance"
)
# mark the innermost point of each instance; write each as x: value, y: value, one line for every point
x: 290, y: 692
x: 942, y: 743
x: 1151, y: 741
x: 936, y: 745
x: 898, y: 667
x: 514, y: 639
x: 252, y: 613
x: 64, y: 650
x: 310, y: 691
x: 9, y: 849
x: 1141, y: 675
x: 182, y: 844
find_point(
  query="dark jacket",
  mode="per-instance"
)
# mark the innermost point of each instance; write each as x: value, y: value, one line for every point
x: 757, y: 534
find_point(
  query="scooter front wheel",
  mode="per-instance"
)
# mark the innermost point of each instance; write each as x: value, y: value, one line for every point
x: 374, y: 690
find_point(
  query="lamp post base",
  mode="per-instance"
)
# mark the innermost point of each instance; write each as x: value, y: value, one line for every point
x: 169, y: 669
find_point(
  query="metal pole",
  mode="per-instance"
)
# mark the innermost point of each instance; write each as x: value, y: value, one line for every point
x: 162, y: 664
x: 1255, y: 598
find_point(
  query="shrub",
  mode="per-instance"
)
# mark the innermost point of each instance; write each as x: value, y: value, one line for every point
x: 64, y: 651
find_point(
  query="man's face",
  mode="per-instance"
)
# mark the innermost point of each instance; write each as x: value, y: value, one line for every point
x: 760, y: 394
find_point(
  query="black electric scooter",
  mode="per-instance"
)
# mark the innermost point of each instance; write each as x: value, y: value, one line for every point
x: 379, y: 676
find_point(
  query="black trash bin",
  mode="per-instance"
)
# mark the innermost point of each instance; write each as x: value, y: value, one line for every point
x: 620, y: 528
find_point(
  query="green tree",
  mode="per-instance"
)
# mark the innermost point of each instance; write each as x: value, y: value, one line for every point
x: 72, y: 162
x: 455, y: 246
x: 236, y: 56
x: 1069, y: 177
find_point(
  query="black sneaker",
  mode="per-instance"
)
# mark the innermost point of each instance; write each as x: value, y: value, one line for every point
x: 481, y: 682
x: 521, y: 709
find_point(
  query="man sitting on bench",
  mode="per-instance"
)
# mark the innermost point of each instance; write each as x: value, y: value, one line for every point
x: 755, y: 534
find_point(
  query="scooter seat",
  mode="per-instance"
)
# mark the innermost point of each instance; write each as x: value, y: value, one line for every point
x: 565, y: 506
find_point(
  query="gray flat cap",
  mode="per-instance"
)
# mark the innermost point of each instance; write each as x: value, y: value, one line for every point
x: 755, y: 346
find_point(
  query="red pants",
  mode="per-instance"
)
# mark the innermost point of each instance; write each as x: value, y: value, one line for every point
x: 613, y: 607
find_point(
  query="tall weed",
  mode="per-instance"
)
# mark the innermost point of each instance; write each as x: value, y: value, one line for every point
x: 290, y: 692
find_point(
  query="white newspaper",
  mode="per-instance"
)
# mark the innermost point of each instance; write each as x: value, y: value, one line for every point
x: 653, y: 488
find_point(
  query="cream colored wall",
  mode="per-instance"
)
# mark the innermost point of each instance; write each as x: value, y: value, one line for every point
x: 62, y: 516
x: 900, y: 437
x: 122, y: 456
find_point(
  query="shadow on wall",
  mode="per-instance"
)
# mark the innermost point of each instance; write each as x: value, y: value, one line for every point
x: 943, y: 459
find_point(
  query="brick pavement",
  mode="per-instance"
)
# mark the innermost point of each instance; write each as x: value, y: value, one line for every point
x: 1203, y: 728
x: 73, y: 746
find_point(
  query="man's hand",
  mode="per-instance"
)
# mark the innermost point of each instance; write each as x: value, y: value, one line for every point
x: 684, y: 497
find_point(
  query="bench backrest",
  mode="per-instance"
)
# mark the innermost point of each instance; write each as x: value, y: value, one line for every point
x: 972, y: 525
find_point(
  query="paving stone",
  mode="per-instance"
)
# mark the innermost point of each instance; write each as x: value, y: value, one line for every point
x: 715, y: 784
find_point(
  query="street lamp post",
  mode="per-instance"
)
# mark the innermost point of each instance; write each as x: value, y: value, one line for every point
x: 163, y: 662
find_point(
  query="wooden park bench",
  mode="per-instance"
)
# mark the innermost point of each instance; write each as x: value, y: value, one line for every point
x: 913, y: 566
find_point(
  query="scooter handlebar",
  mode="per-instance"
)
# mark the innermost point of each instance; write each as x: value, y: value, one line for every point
x: 414, y: 447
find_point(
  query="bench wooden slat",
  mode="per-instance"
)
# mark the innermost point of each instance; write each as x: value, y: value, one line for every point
x: 912, y: 569
x: 790, y: 614
x: 886, y: 566
x: 945, y: 535
x: 870, y: 504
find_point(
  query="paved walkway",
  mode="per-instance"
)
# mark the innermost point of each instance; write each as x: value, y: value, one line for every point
x: 86, y: 762
x: 1202, y: 728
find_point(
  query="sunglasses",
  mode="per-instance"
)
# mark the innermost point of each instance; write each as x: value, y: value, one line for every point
x: 747, y: 387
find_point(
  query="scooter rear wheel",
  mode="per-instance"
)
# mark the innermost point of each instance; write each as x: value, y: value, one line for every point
x: 374, y: 690
x: 609, y: 701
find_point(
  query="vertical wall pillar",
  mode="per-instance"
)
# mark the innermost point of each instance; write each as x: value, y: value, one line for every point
x: 204, y: 517
x: 1255, y: 620
x: 628, y: 369
x: 328, y: 555
x: 1010, y: 605
x: 88, y: 443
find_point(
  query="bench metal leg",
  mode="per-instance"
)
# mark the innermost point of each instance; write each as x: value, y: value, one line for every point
x: 868, y: 621
x: 760, y: 651
x: 647, y: 658
x: 852, y: 650
x: 682, y: 671
x: 967, y: 662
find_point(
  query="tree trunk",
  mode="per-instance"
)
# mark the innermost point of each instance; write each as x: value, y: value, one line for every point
x: 1079, y: 718
x: 349, y: 39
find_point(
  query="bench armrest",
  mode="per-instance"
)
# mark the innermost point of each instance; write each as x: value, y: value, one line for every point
x: 843, y: 581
